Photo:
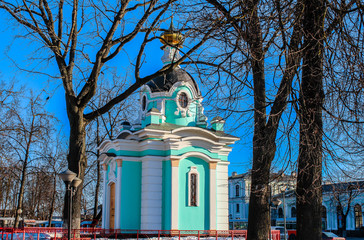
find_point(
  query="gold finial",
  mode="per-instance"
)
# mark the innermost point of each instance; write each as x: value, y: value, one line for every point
x: 172, y: 37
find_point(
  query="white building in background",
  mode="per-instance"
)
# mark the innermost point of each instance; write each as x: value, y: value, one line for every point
x: 335, y: 195
x: 348, y: 196
x: 239, y: 193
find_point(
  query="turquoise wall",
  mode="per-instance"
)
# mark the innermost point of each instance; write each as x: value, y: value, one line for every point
x: 130, y: 195
x: 194, y: 218
x: 152, y: 152
x: 171, y: 108
x: 166, y: 195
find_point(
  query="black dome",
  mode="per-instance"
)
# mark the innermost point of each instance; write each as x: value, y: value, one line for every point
x: 165, y: 82
x: 126, y: 123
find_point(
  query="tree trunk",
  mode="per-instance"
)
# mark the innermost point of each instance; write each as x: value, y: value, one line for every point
x: 259, y: 218
x: 263, y: 148
x: 309, y: 190
x: 22, y: 182
x: 344, y: 225
x: 6, y: 198
x: 76, y: 158
x: 98, y: 171
x: 51, y: 209
x: 20, y: 195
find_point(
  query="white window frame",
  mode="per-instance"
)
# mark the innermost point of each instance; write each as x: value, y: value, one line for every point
x: 180, y: 109
x: 146, y: 103
x: 188, y: 98
x: 193, y: 170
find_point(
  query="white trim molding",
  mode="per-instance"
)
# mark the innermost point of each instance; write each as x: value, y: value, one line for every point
x: 118, y: 195
x: 212, y: 198
x: 174, y: 197
x: 180, y: 109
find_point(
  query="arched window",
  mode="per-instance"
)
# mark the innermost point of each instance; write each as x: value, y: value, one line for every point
x: 193, y: 186
x: 237, y: 191
x: 193, y: 189
x: 144, y: 103
x: 358, y: 216
x: 293, y: 212
x: 280, y: 213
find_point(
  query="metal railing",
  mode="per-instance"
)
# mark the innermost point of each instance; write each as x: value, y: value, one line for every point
x: 44, y: 233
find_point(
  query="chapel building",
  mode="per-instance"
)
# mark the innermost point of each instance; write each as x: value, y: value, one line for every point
x: 171, y: 169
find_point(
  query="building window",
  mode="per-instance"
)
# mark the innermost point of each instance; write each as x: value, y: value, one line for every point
x: 193, y: 187
x: 293, y: 212
x: 280, y: 213
x: 237, y: 191
x: 183, y: 100
x: 358, y: 216
x: 144, y: 103
x: 237, y: 208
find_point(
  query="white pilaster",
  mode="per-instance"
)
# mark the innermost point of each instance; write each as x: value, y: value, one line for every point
x: 213, y: 196
x: 222, y: 197
x: 118, y: 195
x: 174, y: 194
x: 104, y: 198
x: 151, y: 209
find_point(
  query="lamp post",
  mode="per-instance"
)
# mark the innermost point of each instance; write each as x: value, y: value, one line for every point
x: 273, y: 203
x: 72, y: 182
x: 283, y: 191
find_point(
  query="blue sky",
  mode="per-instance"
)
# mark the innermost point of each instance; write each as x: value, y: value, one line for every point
x: 21, y: 50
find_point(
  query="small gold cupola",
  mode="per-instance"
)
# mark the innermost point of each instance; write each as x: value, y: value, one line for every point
x: 172, y: 41
x: 171, y: 37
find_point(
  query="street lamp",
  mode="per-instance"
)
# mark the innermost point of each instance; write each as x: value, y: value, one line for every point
x: 283, y: 191
x: 72, y: 182
x: 273, y: 203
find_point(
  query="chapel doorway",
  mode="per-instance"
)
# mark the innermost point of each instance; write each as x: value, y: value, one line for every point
x: 112, y: 206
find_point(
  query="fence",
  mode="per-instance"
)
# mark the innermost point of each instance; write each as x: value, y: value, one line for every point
x: 98, y: 233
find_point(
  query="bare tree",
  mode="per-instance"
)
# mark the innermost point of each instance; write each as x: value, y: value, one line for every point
x: 104, y: 127
x: 25, y: 129
x: 81, y: 37
x: 52, y: 160
x: 326, y: 23
x: 309, y: 178
x: 252, y: 31
x: 9, y: 182
x: 261, y: 37
x: 342, y: 195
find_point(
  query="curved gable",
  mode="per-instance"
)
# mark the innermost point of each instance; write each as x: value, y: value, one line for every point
x: 194, y: 132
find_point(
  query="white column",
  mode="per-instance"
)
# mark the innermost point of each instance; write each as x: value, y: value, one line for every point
x: 151, y: 199
x: 222, y: 198
x: 212, y: 166
x: 174, y: 194
x: 118, y: 195
x: 104, y: 198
